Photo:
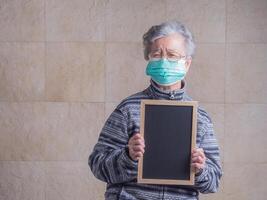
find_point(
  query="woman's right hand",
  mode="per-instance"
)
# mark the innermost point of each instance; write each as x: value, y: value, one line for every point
x: 136, y: 146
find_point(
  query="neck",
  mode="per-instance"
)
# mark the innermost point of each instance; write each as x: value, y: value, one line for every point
x: 173, y: 87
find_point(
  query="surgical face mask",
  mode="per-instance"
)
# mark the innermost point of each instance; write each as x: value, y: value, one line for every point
x: 165, y: 72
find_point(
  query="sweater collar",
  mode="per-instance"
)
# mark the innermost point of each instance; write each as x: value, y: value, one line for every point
x: 157, y: 93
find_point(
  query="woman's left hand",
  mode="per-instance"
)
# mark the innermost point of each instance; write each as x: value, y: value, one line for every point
x: 198, y: 159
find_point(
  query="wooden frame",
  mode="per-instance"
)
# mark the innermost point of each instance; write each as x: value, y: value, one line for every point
x: 169, y: 181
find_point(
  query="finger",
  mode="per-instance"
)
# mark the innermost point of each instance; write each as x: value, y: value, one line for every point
x: 198, y: 160
x: 133, y: 154
x: 197, y: 165
x: 138, y: 142
x: 137, y: 136
x: 202, y: 156
x: 139, y: 148
x: 200, y: 149
x: 201, y: 152
x: 136, y: 148
x: 138, y: 155
x: 197, y: 169
x: 198, y: 152
x: 134, y: 141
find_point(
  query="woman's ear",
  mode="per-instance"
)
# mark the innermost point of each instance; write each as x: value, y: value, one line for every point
x: 188, y: 63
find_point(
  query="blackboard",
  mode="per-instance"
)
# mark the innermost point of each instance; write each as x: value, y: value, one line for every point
x: 169, y: 130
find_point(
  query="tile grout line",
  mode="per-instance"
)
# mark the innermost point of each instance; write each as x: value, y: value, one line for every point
x: 103, y: 102
x: 225, y: 50
x: 225, y: 74
x: 105, y: 59
x: 45, y: 54
x: 131, y: 42
x: 45, y: 78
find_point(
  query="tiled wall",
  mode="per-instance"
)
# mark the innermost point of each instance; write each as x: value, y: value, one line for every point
x: 65, y: 65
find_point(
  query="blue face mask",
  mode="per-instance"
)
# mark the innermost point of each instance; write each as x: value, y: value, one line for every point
x: 165, y: 72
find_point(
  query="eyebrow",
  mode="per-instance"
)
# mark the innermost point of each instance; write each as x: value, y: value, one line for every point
x: 168, y: 50
x: 173, y: 50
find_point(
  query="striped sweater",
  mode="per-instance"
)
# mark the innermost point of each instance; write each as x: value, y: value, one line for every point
x: 110, y: 161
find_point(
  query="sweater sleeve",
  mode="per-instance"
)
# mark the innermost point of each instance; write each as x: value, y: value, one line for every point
x: 207, y: 180
x: 109, y: 160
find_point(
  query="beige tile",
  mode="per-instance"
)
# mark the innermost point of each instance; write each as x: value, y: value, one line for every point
x: 205, y: 79
x: 216, y: 113
x: 245, y: 133
x: 206, y: 19
x: 245, y: 181
x: 75, y: 72
x: 22, y: 180
x: 49, y: 131
x: 22, y: 20
x: 125, y: 73
x: 80, y: 20
x: 246, y: 73
x: 72, y: 180
x: 129, y: 20
x: 8, y: 21
x: 246, y: 21
x: 22, y: 71
x: 24, y: 129
x: 74, y: 138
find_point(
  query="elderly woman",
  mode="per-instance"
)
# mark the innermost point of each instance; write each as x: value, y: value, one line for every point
x: 168, y: 48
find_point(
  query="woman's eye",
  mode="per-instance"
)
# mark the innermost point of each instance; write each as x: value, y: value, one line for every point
x: 172, y: 56
x: 156, y: 55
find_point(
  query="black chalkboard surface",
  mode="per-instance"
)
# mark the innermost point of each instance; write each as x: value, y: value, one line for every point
x: 169, y: 130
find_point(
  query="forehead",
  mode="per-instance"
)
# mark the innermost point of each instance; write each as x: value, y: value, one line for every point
x: 173, y: 41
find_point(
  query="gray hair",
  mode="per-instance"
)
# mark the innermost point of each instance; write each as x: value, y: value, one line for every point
x: 164, y: 30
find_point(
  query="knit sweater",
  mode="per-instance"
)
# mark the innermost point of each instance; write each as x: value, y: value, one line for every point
x: 110, y: 161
